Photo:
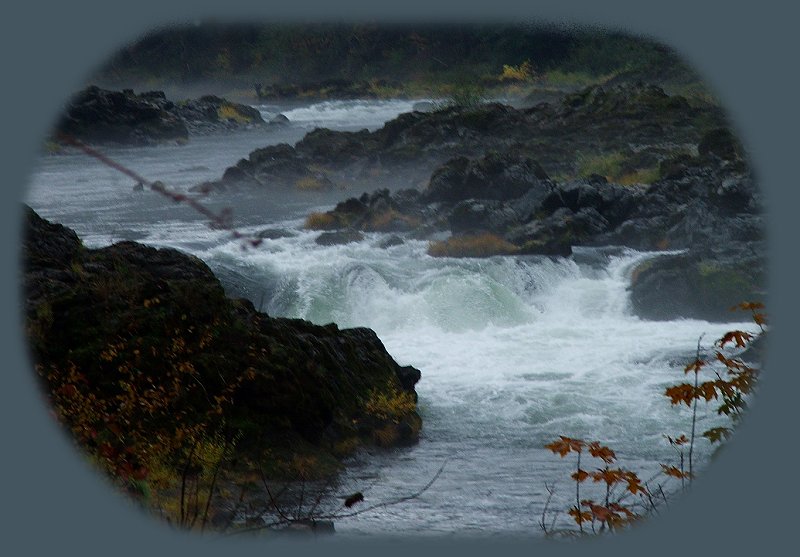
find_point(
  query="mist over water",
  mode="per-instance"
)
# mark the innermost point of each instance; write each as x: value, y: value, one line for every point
x: 514, y: 351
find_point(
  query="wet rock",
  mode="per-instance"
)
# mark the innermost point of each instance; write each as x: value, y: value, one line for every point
x: 697, y: 285
x: 279, y: 120
x: 423, y: 106
x: 275, y: 234
x: 308, y: 383
x: 721, y: 143
x: 391, y: 241
x: 500, y: 176
x: 100, y: 116
x: 339, y: 237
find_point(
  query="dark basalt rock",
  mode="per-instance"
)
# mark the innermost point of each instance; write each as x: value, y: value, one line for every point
x: 309, y: 383
x: 697, y: 285
x: 721, y: 143
x: 500, y: 176
x: 99, y: 116
x: 339, y: 237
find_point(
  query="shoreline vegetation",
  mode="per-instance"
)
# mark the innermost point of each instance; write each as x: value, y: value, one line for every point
x: 213, y: 415
x: 189, y: 399
x: 328, y: 61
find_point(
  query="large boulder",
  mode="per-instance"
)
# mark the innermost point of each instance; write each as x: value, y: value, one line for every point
x: 98, y: 116
x: 697, y: 285
x: 129, y: 306
x: 499, y: 176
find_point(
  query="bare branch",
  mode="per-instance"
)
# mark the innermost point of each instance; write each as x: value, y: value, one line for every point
x: 221, y: 220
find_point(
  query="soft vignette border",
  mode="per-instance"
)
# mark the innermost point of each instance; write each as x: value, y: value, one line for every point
x: 52, y: 503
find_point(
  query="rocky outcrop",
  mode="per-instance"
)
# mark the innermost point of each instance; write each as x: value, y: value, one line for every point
x: 161, y: 311
x: 98, y: 116
x: 707, y: 204
x: 638, y: 167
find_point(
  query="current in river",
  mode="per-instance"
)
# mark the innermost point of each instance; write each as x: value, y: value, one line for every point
x: 514, y: 351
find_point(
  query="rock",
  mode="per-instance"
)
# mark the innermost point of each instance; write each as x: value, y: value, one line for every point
x: 279, y: 120
x: 499, y: 176
x: 276, y: 166
x: 339, y: 237
x: 695, y: 286
x: 721, y: 143
x: 210, y: 114
x: 391, y: 241
x: 99, y: 116
x: 639, y: 120
x: 309, y: 386
x: 275, y: 234
x: 423, y: 106
x: 473, y: 215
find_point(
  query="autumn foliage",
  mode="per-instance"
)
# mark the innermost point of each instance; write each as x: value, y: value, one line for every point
x: 726, y: 379
x: 619, y: 483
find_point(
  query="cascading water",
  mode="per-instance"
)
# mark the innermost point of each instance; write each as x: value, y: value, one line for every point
x: 514, y: 351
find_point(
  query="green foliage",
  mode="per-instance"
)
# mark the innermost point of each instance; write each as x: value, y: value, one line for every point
x: 464, y: 95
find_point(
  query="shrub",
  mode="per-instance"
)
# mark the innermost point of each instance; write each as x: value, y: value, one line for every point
x: 731, y: 382
x: 522, y: 72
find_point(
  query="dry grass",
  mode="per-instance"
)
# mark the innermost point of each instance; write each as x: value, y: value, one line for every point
x: 321, y: 221
x: 390, y: 221
x: 229, y: 112
x: 608, y: 165
x: 310, y: 183
x: 480, y: 245
x: 640, y: 176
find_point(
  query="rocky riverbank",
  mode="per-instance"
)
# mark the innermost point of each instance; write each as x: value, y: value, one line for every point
x: 98, y: 116
x: 144, y: 358
x: 624, y: 165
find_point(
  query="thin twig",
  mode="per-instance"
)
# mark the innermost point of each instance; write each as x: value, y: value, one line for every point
x: 550, y: 491
x: 694, y: 409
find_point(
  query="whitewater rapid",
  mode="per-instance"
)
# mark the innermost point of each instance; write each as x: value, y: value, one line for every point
x: 514, y: 351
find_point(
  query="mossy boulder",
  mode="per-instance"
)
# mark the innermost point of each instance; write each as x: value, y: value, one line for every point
x: 693, y: 286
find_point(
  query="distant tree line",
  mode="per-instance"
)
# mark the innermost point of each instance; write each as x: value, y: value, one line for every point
x: 276, y: 53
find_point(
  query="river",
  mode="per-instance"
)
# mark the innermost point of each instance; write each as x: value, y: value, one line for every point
x: 514, y: 351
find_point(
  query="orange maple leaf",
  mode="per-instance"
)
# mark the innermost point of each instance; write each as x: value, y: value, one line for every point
x: 565, y: 445
x: 580, y: 475
x: 674, y: 472
x: 602, y: 452
x: 695, y: 366
x: 681, y: 393
x: 740, y: 338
